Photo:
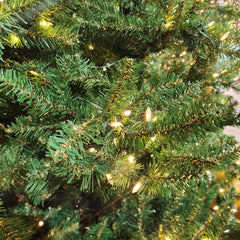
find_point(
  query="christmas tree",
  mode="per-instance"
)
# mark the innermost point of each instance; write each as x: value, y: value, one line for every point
x: 111, y: 119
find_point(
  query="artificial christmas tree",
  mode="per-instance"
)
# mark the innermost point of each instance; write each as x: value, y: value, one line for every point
x: 111, y: 119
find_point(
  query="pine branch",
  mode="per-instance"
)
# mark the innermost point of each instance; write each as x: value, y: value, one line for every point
x: 27, y: 18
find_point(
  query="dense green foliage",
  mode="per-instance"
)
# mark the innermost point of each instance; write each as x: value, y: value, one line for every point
x: 76, y: 148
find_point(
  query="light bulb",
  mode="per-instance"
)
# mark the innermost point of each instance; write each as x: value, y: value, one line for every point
x: 127, y: 113
x: 234, y: 210
x: 148, y: 114
x: 182, y: 54
x: 221, y: 190
x: 40, y: 223
x: 215, y: 75
x: 131, y: 159
x: 153, y: 138
x: 109, y: 178
x: 90, y: 46
x: 168, y: 25
x: 14, y: 39
x: 44, y: 23
x: 116, y: 124
x: 224, y: 36
x: 215, y: 208
x: 136, y: 187
x: 92, y: 149
x: 75, y: 128
x: 211, y: 24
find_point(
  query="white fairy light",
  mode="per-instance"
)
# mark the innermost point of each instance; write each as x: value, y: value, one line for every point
x: 148, y: 114
x: 116, y: 124
x: 215, y: 208
x: 131, y: 159
x: 127, y: 113
x: 92, y: 149
x: 136, y: 187
x: 40, y: 223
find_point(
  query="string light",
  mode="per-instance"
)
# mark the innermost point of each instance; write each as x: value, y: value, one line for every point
x: 238, y: 162
x: 136, y: 187
x: 14, y: 39
x: 208, y: 172
x: 167, y: 238
x: 224, y: 36
x: 109, y: 178
x: 215, y: 75
x: 168, y: 25
x: 127, y: 113
x: 183, y: 60
x: 75, y: 128
x: 211, y: 24
x: 153, y: 138
x: 92, y: 149
x: 221, y: 190
x: 131, y: 159
x: 215, y: 208
x: 182, y: 54
x: 104, y: 69
x: 234, y: 210
x: 1, y: 0
x: 90, y: 46
x: 148, y: 114
x: 44, y: 23
x: 40, y: 223
x: 116, y: 124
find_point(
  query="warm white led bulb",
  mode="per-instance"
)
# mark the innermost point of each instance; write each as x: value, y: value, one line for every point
x: 148, y: 114
x: 109, y: 178
x: 215, y: 208
x: 182, y: 54
x: 116, y: 124
x: 44, y: 23
x: 221, y: 190
x: 92, y: 149
x: 40, y: 223
x: 215, y: 75
x: 234, y: 210
x: 90, y: 46
x: 224, y: 36
x: 153, y: 138
x: 127, y: 113
x: 211, y: 24
x: 131, y: 159
x: 14, y: 39
x: 136, y: 187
